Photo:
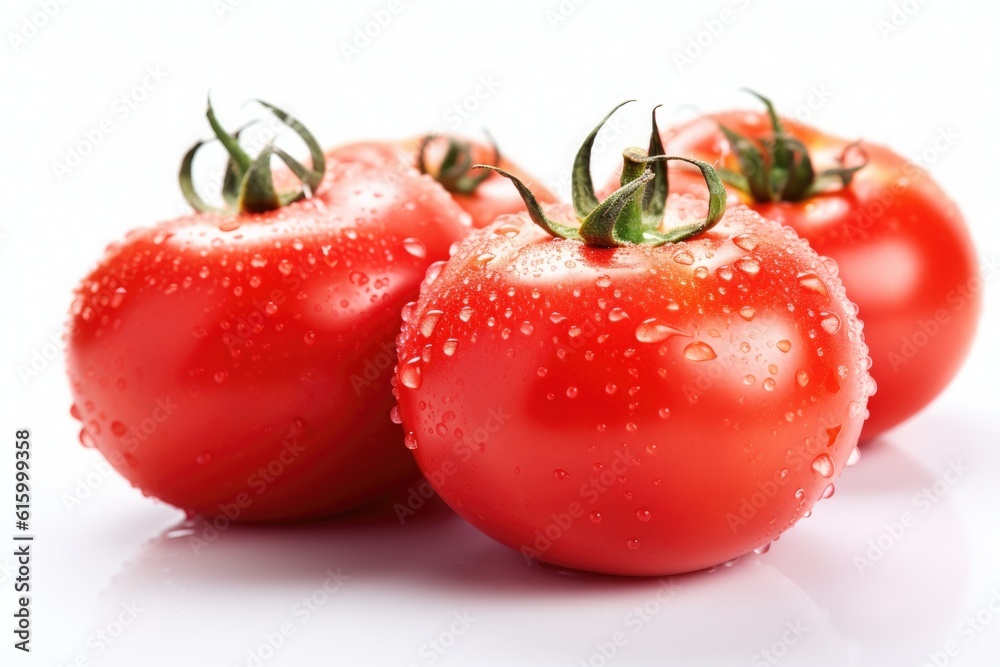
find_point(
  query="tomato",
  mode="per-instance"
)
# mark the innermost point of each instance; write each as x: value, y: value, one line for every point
x: 484, y: 195
x: 632, y: 394
x: 903, y: 250
x: 237, y: 363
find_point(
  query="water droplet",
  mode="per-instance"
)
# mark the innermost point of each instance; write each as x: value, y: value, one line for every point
x: 654, y: 331
x: 611, y: 388
x: 789, y: 416
x: 802, y: 377
x: 284, y: 266
x: 763, y: 549
x: 684, y: 257
x: 617, y: 314
x: 724, y: 272
x: 633, y: 543
x: 130, y: 460
x: 87, y: 440
x: 812, y: 282
x: 769, y: 384
x: 699, y: 351
x: 830, y: 322
x: 449, y: 347
x: 595, y: 517
x: 556, y: 318
x: 747, y: 313
x: 854, y: 457
x: 230, y: 225
x: 701, y: 273
x: 410, y: 440
x: 465, y: 314
x: 559, y: 474
x: 258, y: 262
x: 603, y: 281
x: 748, y: 265
x: 219, y: 377
x: 415, y: 247
x: 643, y: 514
x: 823, y: 464
x: 409, y: 374
x: 783, y: 345
x: 485, y: 258
x: 270, y: 308
x: 117, y: 297
x: 429, y: 321
x: 749, y: 379
x: 827, y: 492
x: 309, y: 337
x: 395, y: 415
x: 527, y: 328
x: 542, y: 371
x: 571, y: 392
x: 746, y: 241
x: 118, y: 429
x: 664, y: 413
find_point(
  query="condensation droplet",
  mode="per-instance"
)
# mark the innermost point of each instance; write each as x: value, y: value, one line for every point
x: 571, y: 392
x: 746, y: 241
x: 415, y: 247
x: 699, y: 351
x: 643, y: 514
x: 395, y: 415
x: 429, y: 321
x: 409, y: 374
x: 748, y: 265
x: 830, y: 322
x: 823, y: 464
x: 813, y: 283
x: 654, y: 331
x: 747, y: 313
x: 410, y: 440
x: 684, y: 257
x: 603, y: 281
x: 854, y: 457
x: 449, y: 347
x: 783, y: 345
x: 559, y: 474
x: 633, y: 543
x: 769, y: 384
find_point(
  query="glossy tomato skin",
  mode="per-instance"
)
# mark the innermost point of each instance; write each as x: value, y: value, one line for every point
x: 904, y: 252
x: 636, y: 411
x: 491, y: 198
x: 240, y: 365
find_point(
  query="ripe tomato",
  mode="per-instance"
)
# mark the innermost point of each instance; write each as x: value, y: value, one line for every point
x: 485, y: 195
x: 235, y: 363
x: 627, y: 396
x: 904, y: 252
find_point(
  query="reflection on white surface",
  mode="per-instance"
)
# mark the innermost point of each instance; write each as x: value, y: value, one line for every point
x: 368, y: 590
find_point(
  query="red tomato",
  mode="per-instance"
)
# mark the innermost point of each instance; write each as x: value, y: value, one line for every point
x: 238, y: 363
x: 903, y: 250
x: 485, y: 195
x: 637, y: 399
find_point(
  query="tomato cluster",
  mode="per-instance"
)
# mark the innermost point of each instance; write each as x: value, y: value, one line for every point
x: 651, y: 381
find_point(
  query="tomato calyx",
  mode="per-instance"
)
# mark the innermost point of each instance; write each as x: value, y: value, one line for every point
x: 248, y: 184
x: 632, y: 214
x: 778, y: 167
x: 453, y: 172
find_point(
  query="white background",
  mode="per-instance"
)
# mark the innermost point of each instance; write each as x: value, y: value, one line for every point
x: 553, y: 75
